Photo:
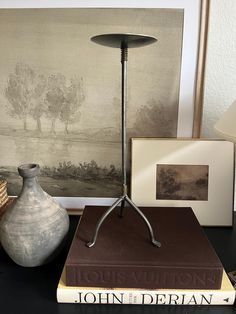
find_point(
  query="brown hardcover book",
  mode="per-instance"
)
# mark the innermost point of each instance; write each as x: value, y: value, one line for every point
x: 124, y: 257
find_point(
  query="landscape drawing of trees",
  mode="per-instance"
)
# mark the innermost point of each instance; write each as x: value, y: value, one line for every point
x: 60, y: 94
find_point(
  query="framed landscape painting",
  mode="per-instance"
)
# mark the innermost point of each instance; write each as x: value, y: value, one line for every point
x: 185, y: 173
x: 60, y: 93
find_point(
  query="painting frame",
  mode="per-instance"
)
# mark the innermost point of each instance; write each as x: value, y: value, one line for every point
x: 192, y: 64
x: 218, y: 155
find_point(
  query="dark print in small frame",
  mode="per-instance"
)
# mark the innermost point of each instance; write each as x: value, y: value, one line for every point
x: 182, y: 182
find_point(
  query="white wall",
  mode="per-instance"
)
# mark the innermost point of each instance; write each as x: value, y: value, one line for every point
x: 220, y: 75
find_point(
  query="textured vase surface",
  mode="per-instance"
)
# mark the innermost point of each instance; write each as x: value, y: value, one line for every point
x: 34, y: 228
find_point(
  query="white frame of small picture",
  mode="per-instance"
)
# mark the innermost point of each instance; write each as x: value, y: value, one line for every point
x: 215, y: 209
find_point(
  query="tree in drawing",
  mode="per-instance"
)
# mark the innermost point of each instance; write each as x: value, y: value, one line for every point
x: 38, y: 106
x: 73, y: 99
x: 168, y: 181
x: 55, y: 98
x: 19, y: 91
x: 154, y: 118
x: 63, y: 102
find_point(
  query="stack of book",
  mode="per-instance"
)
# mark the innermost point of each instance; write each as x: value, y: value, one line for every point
x: 125, y: 268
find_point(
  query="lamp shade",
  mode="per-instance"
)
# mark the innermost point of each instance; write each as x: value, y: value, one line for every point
x: 225, y: 127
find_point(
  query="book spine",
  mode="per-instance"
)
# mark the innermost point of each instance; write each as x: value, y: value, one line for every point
x: 145, y: 278
x: 162, y: 297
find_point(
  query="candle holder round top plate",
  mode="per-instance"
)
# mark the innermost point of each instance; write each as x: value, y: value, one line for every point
x: 127, y: 40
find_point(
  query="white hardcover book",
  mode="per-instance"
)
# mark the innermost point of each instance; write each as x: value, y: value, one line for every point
x: 223, y: 296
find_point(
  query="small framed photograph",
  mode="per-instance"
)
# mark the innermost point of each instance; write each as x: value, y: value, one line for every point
x: 185, y: 172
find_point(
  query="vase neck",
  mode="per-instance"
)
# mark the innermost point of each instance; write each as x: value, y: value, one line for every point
x: 31, y: 185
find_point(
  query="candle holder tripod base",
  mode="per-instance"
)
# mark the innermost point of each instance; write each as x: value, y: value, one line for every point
x: 121, y: 201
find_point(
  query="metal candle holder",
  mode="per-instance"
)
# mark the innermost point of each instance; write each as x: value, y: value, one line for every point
x: 123, y: 42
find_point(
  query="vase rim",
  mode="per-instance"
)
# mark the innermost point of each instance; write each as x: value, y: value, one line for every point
x: 28, y: 170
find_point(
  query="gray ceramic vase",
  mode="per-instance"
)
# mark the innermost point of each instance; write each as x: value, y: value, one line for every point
x: 33, y: 230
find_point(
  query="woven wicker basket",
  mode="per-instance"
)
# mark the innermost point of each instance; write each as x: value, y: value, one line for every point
x: 3, y: 192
